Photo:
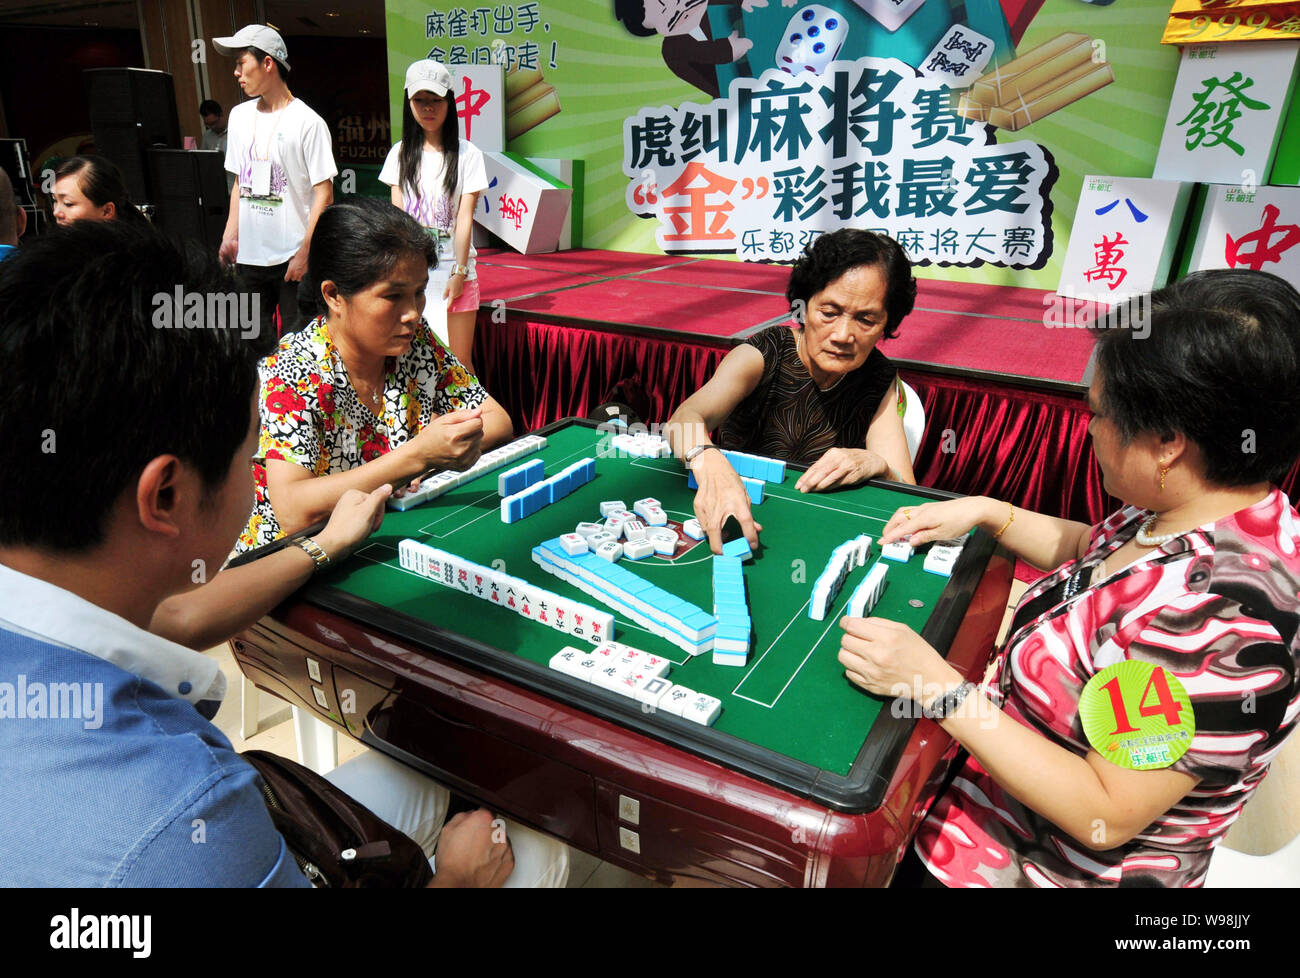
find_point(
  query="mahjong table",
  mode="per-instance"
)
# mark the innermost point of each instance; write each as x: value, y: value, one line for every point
x: 801, y: 780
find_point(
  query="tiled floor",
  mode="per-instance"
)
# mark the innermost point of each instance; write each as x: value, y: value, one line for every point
x: 277, y: 736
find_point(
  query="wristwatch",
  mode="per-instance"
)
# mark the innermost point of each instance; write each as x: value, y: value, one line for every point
x: 460, y: 270
x: 314, y: 551
x: 946, y: 705
x: 695, y: 452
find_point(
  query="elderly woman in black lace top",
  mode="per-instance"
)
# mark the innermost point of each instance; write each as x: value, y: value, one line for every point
x: 819, y: 395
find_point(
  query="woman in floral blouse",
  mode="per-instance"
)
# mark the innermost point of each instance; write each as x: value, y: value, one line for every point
x: 365, y: 395
x: 1199, y: 575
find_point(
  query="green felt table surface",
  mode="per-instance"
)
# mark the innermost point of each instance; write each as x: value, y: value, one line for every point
x: 791, y: 697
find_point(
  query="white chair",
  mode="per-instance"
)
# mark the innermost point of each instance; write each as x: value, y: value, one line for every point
x: 1230, y: 868
x: 913, y: 411
x: 1268, y: 820
x: 318, y: 742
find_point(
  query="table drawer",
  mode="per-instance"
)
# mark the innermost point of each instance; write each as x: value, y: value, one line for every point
x: 436, y: 734
x: 290, y: 672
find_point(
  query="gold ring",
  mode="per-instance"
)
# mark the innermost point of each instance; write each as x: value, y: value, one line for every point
x: 907, y: 513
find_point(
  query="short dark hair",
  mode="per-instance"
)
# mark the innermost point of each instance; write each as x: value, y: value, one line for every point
x: 631, y: 13
x: 210, y: 107
x: 93, y: 390
x: 829, y: 256
x: 259, y: 54
x: 101, y: 182
x: 359, y: 241
x: 1218, y: 363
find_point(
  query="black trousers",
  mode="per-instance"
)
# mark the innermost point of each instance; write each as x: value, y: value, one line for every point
x: 292, y: 299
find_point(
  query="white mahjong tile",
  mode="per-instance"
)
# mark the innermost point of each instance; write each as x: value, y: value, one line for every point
x: 702, y: 709
x: 651, y: 690
x: 676, y: 699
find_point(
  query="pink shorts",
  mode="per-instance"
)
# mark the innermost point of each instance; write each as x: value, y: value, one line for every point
x: 469, y: 298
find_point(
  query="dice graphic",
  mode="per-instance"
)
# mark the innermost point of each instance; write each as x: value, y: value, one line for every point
x: 812, y: 40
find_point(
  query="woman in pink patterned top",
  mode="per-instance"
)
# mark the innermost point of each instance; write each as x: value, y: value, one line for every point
x: 1193, y: 426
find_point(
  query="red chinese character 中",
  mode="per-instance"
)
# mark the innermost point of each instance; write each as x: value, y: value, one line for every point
x: 1264, y: 249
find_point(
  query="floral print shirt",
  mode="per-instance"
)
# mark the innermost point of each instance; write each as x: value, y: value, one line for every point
x: 311, y: 416
x: 1218, y: 607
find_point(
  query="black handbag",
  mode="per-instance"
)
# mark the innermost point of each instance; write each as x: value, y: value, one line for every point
x: 336, y: 840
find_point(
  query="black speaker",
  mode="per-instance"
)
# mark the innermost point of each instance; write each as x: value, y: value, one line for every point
x: 132, y: 110
x: 189, y: 194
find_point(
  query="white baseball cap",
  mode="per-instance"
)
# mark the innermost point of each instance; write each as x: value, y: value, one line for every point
x: 428, y: 76
x: 255, y: 36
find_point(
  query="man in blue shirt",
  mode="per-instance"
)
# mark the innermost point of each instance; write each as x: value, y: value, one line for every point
x: 123, y: 473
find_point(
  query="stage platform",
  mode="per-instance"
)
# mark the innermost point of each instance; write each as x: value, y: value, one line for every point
x: 956, y: 328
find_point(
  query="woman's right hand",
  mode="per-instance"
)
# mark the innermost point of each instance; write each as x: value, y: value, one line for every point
x: 722, y: 494
x: 936, y: 521
x: 451, y: 441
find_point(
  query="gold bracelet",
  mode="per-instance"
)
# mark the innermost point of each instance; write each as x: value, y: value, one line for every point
x: 1011, y: 518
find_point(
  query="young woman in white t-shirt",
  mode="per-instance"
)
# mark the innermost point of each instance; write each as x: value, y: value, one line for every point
x: 436, y: 177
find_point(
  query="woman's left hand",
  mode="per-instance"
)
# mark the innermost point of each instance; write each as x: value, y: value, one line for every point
x: 842, y: 467
x: 889, y: 659
x: 455, y: 285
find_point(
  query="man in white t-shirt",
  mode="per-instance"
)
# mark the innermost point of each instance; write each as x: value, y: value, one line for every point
x: 279, y: 151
